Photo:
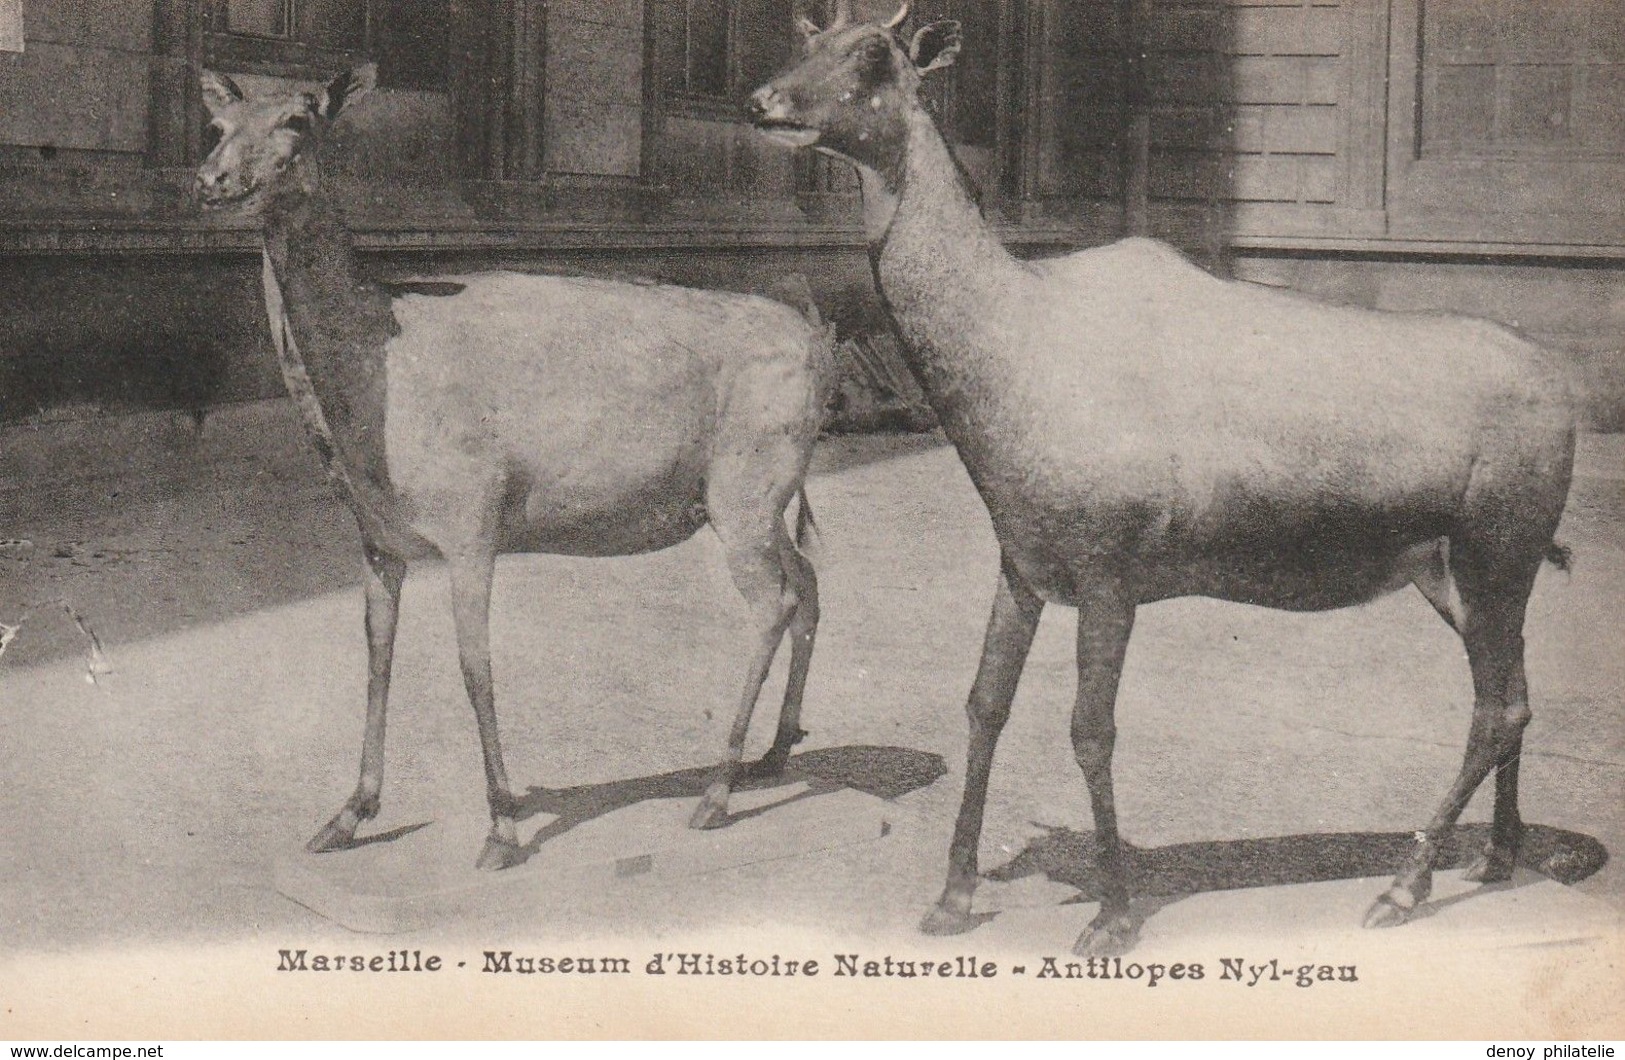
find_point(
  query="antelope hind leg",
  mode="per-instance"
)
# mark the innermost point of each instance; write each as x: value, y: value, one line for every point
x: 803, y: 631
x: 770, y: 593
x: 1494, y: 603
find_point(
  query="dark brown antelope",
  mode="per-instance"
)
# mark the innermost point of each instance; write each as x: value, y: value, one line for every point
x: 502, y: 412
x: 1141, y: 430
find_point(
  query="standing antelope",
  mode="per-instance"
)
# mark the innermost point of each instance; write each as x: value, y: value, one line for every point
x: 1140, y: 430
x: 520, y: 413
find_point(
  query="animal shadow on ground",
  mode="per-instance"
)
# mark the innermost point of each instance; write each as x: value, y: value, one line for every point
x: 1161, y: 876
x: 884, y: 772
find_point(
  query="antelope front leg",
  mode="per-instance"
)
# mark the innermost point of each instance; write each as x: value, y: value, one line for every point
x: 471, y: 609
x: 770, y: 590
x: 383, y: 577
x: 1010, y: 630
x: 1105, y: 621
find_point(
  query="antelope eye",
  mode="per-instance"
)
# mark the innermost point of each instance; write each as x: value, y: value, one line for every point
x: 212, y: 135
x: 874, y: 65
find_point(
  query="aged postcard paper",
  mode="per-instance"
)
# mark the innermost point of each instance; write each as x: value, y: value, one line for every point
x: 501, y: 504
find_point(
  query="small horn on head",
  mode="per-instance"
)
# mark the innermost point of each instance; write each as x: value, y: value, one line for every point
x: 897, y: 19
x: 843, y: 14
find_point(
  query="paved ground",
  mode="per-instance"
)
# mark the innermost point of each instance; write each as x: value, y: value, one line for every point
x: 146, y: 808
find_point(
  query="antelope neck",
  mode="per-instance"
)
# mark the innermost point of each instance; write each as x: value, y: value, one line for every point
x: 939, y: 266
x: 307, y: 239
x: 333, y: 351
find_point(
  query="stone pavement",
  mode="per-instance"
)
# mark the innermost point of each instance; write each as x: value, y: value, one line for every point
x: 1269, y: 766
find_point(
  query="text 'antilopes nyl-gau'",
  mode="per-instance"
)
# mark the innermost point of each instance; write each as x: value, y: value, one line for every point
x: 1140, y: 430
x: 504, y: 412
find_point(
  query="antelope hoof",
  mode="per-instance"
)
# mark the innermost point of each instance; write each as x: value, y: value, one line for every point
x: 499, y: 854
x: 1495, y: 865
x: 1390, y: 908
x: 335, y: 835
x: 1108, y: 936
x: 942, y: 920
x: 339, y: 833
x: 709, y: 814
x: 768, y: 766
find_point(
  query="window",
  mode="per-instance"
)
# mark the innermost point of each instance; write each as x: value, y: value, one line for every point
x: 288, y: 29
x: 712, y: 52
x: 1515, y: 78
x: 965, y: 97
x: 11, y: 25
x: 259, y: 18
x: 314, y: 38
x: 1505, y: 121
x: 976, y: 112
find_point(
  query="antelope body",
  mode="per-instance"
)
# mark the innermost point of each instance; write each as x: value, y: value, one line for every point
x: 503, y: 412
x: 1140, y: 430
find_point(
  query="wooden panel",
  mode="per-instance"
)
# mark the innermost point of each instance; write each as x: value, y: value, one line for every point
x: 593, y: 121
x: 1551, y: 166
x: 1287, y: 129
x: 1514, y: 79
x: 408, y: 38
x: 1463, y: 29
x: 588, y: 137
x: 1319, y: 179
x: 1285, y: 31
x: 1257, y: 79
x: 11, y: 25
x: 1252, y: 178
x: 74, y: 97
x: 1537, y: 100
x: 694, y: 154
x: 1547, y: 30
x: 594, y: 61
x: 1463, y: 108
x: 627, y: 14
x: 1605, y: 31
x: 1265, y: 178
x: 1600, y: 117
x: 122, y: 24
x: 1182, y: 79
x: 765, y: 39
x: 175, y: 105
x: 398, y: 136
x: 1323, y: 81
x: 1184, y: 129
x: 1189, y: 29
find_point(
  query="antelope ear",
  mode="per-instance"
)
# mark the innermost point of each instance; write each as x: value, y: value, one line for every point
x: 345, y: 89
x: 219, y: 91
x: 807, y: 27
x: 935, y: 45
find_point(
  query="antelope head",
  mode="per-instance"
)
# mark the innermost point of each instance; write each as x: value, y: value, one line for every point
x: 852, y: 90
x: 260, y: 140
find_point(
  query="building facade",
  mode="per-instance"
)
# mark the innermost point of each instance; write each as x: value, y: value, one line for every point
x: 1446, y: 154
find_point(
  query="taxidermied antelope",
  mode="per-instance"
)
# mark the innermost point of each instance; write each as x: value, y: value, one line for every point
x: 505, y: 412
x: 1141, y: 430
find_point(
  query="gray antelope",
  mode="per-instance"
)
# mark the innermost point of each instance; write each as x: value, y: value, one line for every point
x: 1141, y: 430
x: 502, y: 412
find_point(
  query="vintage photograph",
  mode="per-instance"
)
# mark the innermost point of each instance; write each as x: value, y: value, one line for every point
x: 763, y: 519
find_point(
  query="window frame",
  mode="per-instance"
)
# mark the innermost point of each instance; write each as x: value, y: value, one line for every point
x: 689, y: 104
x: 278, y: 56
x: 1489, y: 198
